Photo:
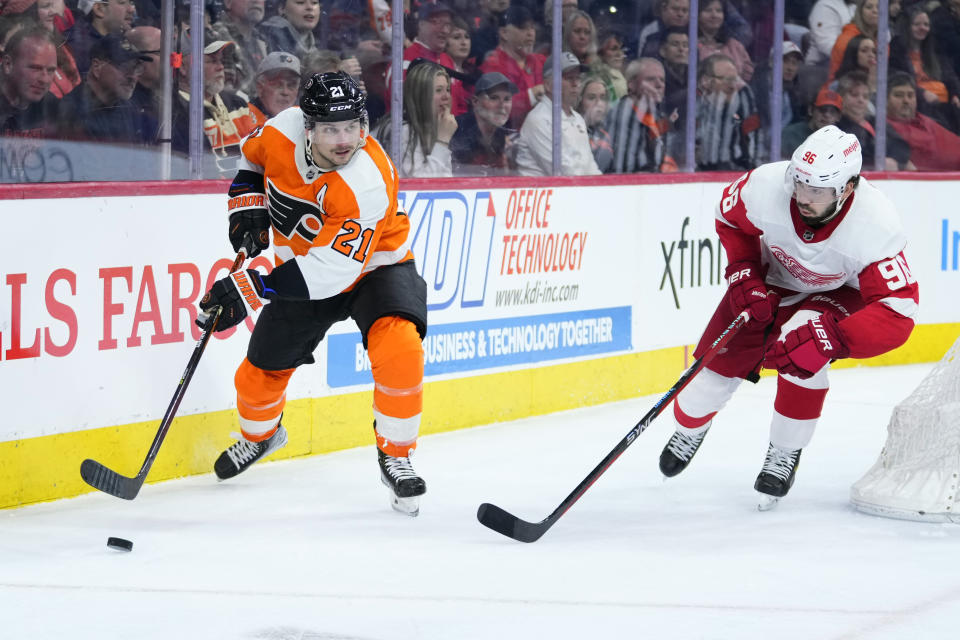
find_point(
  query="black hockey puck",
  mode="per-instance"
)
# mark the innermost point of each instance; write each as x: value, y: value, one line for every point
x: 119, y: 544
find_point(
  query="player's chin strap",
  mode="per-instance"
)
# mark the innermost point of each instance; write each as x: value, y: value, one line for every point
x: 308, y: 152
x: 837, y: 207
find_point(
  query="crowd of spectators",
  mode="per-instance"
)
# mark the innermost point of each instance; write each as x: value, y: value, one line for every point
x: 477, y: 93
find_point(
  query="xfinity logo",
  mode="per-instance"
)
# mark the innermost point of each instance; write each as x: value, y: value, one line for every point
x: 688, y: 261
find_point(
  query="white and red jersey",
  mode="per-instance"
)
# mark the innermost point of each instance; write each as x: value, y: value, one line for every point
x: 862, y: 247
x: 329, y: 227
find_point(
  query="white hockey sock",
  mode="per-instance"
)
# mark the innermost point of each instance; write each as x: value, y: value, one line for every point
x: 707, y: 393
x: 693, y: 430
x: 797, y: 409
x: 787, y: 433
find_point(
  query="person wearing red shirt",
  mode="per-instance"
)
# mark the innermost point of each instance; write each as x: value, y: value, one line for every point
x: 515, y: 59
x: 932, y: 147
x: 434, y: 23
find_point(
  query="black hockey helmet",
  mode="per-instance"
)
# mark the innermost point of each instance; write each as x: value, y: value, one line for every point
x: 332, y: 97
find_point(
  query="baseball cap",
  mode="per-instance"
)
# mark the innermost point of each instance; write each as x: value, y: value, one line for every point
x: 789, y: 47
x: 567, y: 61
x: 493, y: 79
x: 279, y: 60
x: 216, y: 45
x: 213, y: 42
x: 115, y: 49
x: 428, y: 10
x: 15, y: 7
x: 516, y: 15
x: 86, y: 5
x: 828, y: 98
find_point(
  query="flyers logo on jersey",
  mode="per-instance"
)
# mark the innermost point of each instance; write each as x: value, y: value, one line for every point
x: 293, y: 217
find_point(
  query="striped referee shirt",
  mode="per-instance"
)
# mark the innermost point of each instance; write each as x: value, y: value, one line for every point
x: 727, y: 131
x: 638, y: 132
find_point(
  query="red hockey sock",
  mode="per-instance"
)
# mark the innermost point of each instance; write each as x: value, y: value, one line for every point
x: 690, y: 422
x: 798, y: 403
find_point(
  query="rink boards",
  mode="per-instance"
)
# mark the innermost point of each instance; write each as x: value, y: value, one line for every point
x: 543, y: 295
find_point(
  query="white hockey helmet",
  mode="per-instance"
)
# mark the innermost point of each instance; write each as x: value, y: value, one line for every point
x: 827, y: 158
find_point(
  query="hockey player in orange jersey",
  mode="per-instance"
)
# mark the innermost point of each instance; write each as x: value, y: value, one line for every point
x: 328, y: 192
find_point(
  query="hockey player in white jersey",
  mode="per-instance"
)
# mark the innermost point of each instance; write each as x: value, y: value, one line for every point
x: 815, y: 255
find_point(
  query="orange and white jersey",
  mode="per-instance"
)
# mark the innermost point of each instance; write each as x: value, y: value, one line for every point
x: 329, y: 227
x: 225, y: 122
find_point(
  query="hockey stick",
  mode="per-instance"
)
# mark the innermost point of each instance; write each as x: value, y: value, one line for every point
x: 493, y: 517
x: 109, y: 481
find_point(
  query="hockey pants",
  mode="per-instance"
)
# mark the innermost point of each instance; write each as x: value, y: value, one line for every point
x: 389, y: 306
x: 798, y: 402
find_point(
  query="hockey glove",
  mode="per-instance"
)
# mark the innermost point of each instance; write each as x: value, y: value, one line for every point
x: 240, y: 294
x: 806, y: 349
x: 749, y: 292
x: 256, y: 222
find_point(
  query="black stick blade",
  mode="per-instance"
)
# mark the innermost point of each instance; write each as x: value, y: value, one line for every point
x: 493, y: 517
x: 99, y: 477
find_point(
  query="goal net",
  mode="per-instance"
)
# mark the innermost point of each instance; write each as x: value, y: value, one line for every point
x: 916, y: 476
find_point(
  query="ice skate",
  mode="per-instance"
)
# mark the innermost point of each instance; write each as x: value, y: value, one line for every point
x: 776, y: 477
x: 679, y: 451
x: 767, y: 503
x: 242, y: 454
x: 404, y: 484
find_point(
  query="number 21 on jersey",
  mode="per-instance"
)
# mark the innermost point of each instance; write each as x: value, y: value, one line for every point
x: 349, y: 232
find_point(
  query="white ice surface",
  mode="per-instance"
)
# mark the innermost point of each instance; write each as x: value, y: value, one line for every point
x: 309, y: 548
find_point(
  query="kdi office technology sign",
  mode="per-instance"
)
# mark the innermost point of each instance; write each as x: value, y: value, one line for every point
x: 514, y: 277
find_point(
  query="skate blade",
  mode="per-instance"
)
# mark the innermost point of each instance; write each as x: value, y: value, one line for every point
x: 406, y: 506
x: 767, y: 502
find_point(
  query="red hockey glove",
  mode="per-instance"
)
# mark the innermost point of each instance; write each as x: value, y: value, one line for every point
x: 806, y: 349
x: 748, y: 291
x: 240, y: 294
